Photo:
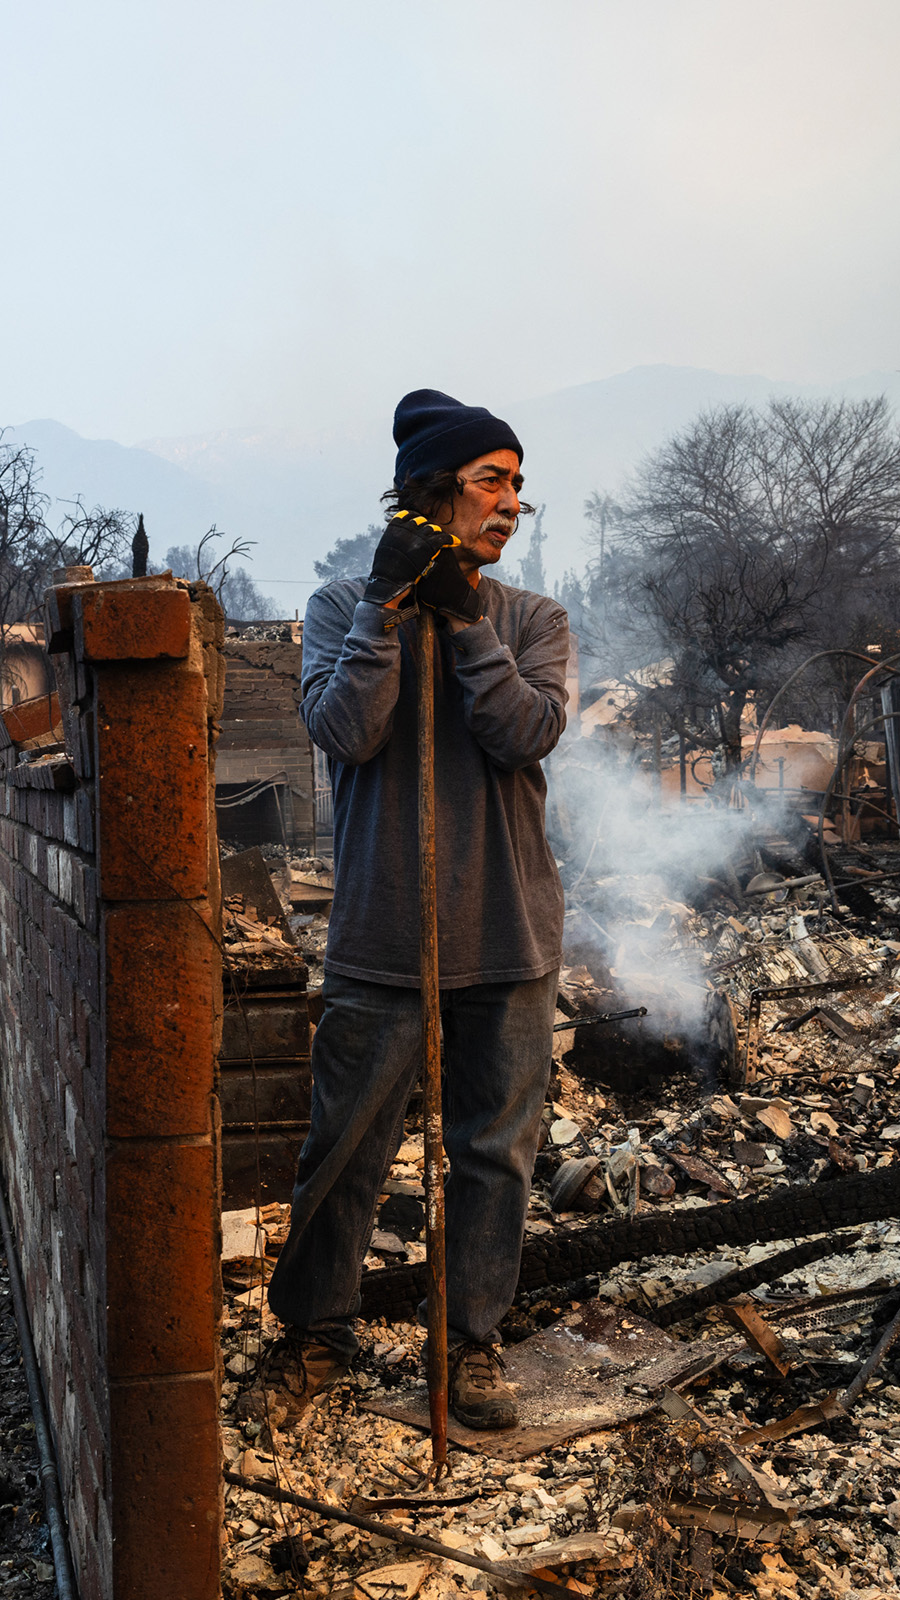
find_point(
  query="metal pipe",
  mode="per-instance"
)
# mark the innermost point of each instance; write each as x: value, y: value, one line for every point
x: 601, y: 1016
x: 56, y: 1517
x: 844, y: 751
x: 435, y: 1243
x: 863, y: 882
x: 820, y: 655
x: 388, y: 1530
x: 789, y: 883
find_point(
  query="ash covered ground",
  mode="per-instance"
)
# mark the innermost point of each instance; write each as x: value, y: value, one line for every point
x: 26, y: 1565
x: 647, y: 1504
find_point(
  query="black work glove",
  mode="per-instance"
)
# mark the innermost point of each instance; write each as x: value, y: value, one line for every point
x: 405, y: 551
x: 447, y: 590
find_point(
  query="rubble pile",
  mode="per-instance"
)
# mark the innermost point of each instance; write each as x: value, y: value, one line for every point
x: 263, y: 632
x: 297, y: 915
x: 247, y: 936
x: 756, y: 1468
x: 604, y: 1508
x: 305, y: 885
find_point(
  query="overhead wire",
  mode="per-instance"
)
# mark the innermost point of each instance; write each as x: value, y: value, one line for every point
x: 250, y: 793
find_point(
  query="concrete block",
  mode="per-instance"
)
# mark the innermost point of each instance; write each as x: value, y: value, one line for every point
x: 162, y: 985
x: 131, y: 624
x: 162, y: 1203
x: 166, y: 1500
x: 153, y: 765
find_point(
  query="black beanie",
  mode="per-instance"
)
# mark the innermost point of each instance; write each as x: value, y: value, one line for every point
x: 432, y: 431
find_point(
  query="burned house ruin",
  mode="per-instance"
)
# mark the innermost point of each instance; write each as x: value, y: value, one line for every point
x: 157, y: 1004
x: 264, y: 760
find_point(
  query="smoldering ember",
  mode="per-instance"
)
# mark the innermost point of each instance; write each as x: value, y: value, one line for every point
x: 704, y: 1344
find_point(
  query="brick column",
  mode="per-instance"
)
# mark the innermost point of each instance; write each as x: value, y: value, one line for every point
x: 140, y: 678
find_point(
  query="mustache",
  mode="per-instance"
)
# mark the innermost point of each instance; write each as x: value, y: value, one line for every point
x: 498, y: 523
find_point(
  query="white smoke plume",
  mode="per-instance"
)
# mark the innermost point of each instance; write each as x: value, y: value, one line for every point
x: 633, y: 861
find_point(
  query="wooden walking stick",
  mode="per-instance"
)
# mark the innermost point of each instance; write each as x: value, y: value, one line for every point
x: 431, y: 1054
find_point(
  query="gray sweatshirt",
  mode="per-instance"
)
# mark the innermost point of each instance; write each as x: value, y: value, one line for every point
x: 499, y: 708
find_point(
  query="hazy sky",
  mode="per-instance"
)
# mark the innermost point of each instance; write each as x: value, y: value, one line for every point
x: 281, y: 212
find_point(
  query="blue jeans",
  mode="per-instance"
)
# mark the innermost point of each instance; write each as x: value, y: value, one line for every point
x: 365, y: 1062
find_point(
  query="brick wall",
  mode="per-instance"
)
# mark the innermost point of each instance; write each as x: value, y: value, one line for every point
x: 110, y: 1015
x: 262, y: 737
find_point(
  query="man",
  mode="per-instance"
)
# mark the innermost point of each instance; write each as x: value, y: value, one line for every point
x: 500, y: 662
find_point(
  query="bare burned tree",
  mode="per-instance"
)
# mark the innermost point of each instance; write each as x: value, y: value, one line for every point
x: 726, y: 613
x: 239, y: 597
x: 30, y: 550
x: 750, y: 533
x: 99, y: 538
x: 215, y: 573
x: 842, y: 465
x: 847, y: 459
x: 198, y: 563
x: 22, y: 537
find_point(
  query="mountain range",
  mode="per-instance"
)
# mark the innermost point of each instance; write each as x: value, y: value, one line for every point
x: 296, y: 495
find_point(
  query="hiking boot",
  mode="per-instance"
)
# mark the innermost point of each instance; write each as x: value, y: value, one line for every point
x: 478, y: 1395
x: 293, y: 1371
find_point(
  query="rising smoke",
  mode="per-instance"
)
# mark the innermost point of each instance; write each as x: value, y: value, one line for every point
x: 635, y: 862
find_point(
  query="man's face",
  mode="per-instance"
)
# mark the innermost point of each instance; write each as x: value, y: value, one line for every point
x: 484, y: 515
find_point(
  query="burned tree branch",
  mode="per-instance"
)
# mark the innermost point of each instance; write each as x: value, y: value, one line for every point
x: 745, y: 1279
x: 789, y: 1213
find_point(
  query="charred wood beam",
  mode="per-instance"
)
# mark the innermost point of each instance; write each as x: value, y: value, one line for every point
x: 553, y: 1258
x: 746, y: 1279
x: 743, y: 1281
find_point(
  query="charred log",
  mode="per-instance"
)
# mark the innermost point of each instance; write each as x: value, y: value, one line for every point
x: 746, y: 1279
x: 789, y: 1213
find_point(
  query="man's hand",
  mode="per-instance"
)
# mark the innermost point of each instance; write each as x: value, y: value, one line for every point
x: 404, y: 554
x: 447, y: 590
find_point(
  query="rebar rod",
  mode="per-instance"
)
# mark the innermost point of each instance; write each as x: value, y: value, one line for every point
x: 435, y: 1244
x: 820, y: 655
x: 389, y: 1530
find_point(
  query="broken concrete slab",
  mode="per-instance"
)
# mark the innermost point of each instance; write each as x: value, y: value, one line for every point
x: 241, y: 1235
